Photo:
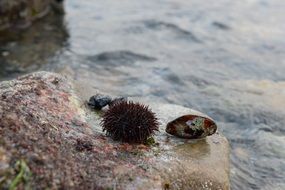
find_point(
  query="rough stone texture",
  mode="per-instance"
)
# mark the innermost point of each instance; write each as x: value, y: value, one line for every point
x: 44, y: 124
x: 21, y: 13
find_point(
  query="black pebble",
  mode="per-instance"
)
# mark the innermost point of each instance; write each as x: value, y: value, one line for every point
x: 99, y: 101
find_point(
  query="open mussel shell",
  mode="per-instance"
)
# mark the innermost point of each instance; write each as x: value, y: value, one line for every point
x: 191, y: 126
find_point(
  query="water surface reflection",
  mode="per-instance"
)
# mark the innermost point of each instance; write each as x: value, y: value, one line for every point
x: 26, y: 50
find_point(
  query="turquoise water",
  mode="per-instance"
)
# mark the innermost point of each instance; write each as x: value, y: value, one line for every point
x: 224, y: 58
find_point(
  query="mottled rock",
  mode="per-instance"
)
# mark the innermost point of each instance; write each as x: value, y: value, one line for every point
x: 50, y: 130
x: 4, y: 162
x: 21, y: 13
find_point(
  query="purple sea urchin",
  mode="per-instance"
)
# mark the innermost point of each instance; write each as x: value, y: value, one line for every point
x: 129, y: 122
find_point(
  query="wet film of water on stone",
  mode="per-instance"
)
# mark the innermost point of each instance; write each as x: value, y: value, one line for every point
x: 224, y: 58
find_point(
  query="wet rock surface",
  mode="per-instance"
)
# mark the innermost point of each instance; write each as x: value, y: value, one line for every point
x: 56, y: 142
x: 21, y: 13
x: 31, y: 34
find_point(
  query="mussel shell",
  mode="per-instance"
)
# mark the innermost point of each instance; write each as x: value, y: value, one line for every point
x: 117, y: 100
x: 99, y: 101
x: 191, y: 127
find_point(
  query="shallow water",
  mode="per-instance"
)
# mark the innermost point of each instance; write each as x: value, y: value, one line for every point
x: 224, y: 58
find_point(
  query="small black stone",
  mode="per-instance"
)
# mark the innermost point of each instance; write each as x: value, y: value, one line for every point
x: 99, y: 101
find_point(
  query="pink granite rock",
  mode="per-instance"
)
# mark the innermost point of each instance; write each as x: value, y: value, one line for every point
x: 50, y: 139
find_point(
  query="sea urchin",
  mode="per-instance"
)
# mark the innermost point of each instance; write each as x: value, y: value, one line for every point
x: 131, y: 122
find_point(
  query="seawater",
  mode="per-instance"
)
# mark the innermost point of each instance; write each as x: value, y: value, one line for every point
x: 225, y: 58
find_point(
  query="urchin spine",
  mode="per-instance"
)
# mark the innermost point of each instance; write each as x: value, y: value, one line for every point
x: 129, y: 122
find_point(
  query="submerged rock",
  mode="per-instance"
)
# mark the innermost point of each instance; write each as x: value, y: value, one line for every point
x: 191, y: 127
x: 20, y: 14
x: 47, y: 129
x: 27, y: 45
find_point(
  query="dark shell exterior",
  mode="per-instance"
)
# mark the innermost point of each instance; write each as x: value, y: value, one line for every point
x: 99, y: 101
x: 191, y: 127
